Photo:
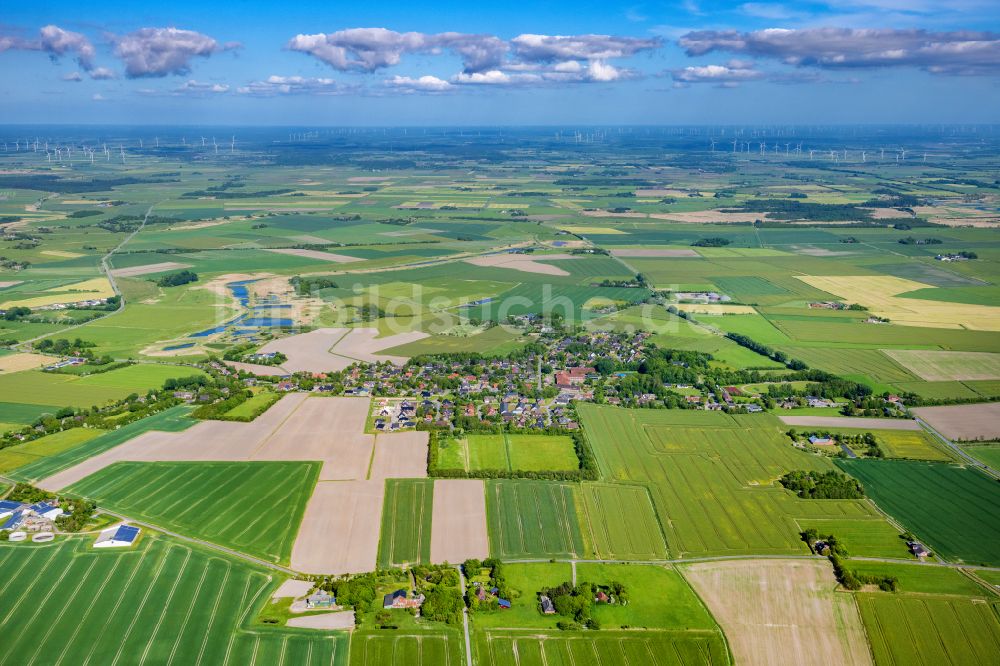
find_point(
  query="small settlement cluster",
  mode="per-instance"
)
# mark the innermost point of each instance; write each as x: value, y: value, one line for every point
x: 18, y: 519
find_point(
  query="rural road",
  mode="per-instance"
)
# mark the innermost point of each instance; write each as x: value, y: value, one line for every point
x: 958, y: 449
x: 106, y: 269
x: 465, y: 621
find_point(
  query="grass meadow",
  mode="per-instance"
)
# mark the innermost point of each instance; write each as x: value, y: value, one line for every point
x: 406, y: 522
x: 20, y: 455
x: 619, y: 522
x: 252, y: 507
x: 161, y: 601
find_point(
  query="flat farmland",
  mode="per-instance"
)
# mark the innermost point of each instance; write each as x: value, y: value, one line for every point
x: 458, y: 525
x: 174, y: 419
x: 162, y: 602
x: 619, y: 522
x: 872, y: 537
x: 957, y: 512
x: 406, y: 522
x: 532, y: 453
x: 964, y: 422
x: 930, y: 629
x: 19, y: 455
x: 631, y: 648
x: 378, y: 649
x: 252, y: 507
x: 873, y: 363
x: 782, y: 611
x: 530, y: 519
x: 46, y: 388
x: 712, y: 477
x: 943, y: 366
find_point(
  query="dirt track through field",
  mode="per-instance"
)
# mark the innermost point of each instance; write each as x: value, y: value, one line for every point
x: 340, y: 529
x: 782, y: 612
x: 958, y: 422
x: 850, y: 422
x: 458, y: 521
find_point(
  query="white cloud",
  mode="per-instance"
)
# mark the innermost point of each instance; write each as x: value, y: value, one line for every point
x: 102, y: 73
x: 421, y: 84
x: 959, y: 52
x: 72, y: 76
x: 56, y: 42
x: 156, y: 52
x: 294, y: 85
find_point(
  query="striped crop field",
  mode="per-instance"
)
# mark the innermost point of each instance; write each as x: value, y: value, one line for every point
x: 159, y: 602
x: 532, y: 519
x: 252, y: 507
x: 406, y: 522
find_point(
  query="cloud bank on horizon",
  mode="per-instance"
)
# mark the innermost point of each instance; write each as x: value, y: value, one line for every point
x: 782, y: 44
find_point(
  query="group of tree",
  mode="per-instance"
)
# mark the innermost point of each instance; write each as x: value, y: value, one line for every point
x: 576, y: 602
x: 715, y: 241
x: 822, y: 485
x: 177, y: 279
x: 306, y: 285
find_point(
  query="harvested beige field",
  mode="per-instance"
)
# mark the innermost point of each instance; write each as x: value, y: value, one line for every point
x: 18, y: 362
x: 62, y: 254
x: 316, y: 254
x: 959, y: 216
x: 653, y: 252
x: 944, y: 366
x: 850, y: 422
x: 401, y: 455
x: 340, y: 528
x: 254, y: 368
x: 660, y: 192
x: 327, y: 429
x: 331, y: 349
x: 964, y: 422
x: 328, y: 621
x: 9, y: 283
x: 205, y: 441
x: 292, y: 588
x: 697, y: 216
x: 782, y: 612
x: 525, y: 263
x: 136, y: 271
x: 458, y: 521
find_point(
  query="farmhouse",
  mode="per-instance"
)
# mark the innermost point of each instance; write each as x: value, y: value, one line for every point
x: 820, y: 440
x: 398, y: 599
x: 121, y: 536
x: 320, y: 600
x: 547, y: 607
x: 45, y: 510
x: 918, y: 549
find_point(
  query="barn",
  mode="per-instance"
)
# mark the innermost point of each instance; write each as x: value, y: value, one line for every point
x: 117, y: 537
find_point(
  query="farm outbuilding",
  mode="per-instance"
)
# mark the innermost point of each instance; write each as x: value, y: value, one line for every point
x: 117, y: 537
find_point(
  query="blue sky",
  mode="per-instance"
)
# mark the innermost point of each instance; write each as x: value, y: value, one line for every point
x: 449, y: 63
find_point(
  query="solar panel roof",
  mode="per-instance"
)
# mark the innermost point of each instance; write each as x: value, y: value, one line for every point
x: 7, y: 505
x: 126, y: 533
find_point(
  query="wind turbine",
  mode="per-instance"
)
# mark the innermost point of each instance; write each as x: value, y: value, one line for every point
x: 734, y: 145
x: 202, y: 142
x: 122, y: 148
x: 863, y: 154
x: 713, y: 145
x: 232, y: 146
x: 811, y: 151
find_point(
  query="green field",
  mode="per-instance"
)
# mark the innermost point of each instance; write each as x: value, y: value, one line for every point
x: 711, y: 477
x: 631, y: 648
x: 930, y: 629
x: 19, y: 455
x: 37, y: 387
x: 379, y: 649
x: 532, y: 519
x: 988, y: 453
x: 174, y: 419
x: 406, y: 522
x: 619, y: 522
x: 259, y: 402
x: 252, y: 507
x: 956, y: 509
x: 162, y: 602
x: 508, y: 452
x: 871, y: 537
